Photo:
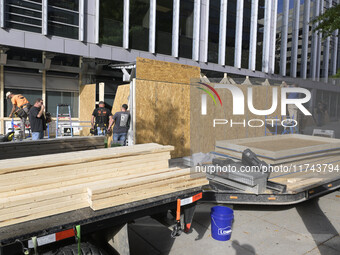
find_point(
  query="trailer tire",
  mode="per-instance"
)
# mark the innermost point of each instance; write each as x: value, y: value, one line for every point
x: 86, y: 249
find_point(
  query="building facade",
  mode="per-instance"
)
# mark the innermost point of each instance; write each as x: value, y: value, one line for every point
x: 50, y: 47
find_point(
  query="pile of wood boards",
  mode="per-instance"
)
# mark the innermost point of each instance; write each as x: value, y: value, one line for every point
x: 299, y: 160
x: 39, y: 186
x: 49, y: 146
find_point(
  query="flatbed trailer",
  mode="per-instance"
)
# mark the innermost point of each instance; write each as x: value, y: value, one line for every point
x: 228, y: 195
x: 21, y: 238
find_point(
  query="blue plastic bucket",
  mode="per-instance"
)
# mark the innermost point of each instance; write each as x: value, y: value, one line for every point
x: 221, y: 222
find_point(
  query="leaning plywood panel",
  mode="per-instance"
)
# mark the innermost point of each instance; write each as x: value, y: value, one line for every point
x: 87, y: 103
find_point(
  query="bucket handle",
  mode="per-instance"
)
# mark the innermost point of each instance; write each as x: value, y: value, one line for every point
x: 212, y: 217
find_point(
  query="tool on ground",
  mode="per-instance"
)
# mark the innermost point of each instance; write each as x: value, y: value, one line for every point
x: 67, y: 121
x: 8, y: 137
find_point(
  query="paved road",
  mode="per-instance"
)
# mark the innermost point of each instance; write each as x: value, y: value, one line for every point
x: 309, y: 228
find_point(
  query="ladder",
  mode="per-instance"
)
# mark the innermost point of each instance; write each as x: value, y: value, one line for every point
x: 67, y: 120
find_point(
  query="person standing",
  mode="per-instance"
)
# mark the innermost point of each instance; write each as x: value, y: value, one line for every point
x: 121, y: 126
x: 101, y: 120
x: 23, y: 105
x: 37, y: 120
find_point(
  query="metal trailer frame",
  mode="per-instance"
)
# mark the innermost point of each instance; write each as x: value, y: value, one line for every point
x: 93, y: 221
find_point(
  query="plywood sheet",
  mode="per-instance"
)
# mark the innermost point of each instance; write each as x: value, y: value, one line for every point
x: 282, y: 146
x: 154, y: 70
x: 87, y: 103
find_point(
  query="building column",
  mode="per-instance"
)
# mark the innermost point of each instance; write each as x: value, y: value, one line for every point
x: 335, y: 51
x: 152, y: 27
x: 253, y: 35
x: 196, y: 30
x: 175, y: 29
x: 273, y: 38
x: 305, y: 39
x: 315, y: 40
x: 295, y: 39
x: 204, y: 32
x: 2, y: 13
x: 44, y: 22
x: 318, y: 55
x: 266, y: 36
x: 126, y: 19
x: 239, y: 32
x: 223, y: 32
x: 96, y: 31
x: 326, y: 48
x: 81, y: 21
x: 284, y: 38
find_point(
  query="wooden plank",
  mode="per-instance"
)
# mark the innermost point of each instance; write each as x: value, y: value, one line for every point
x: 90, y: 168
x: 13, y: 165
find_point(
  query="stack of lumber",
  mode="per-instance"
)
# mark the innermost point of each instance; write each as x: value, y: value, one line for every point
x: 304, y: 160
x: 40, y: 186
x: 49, y: 146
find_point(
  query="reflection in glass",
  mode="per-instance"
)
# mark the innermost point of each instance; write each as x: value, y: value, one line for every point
x: 186, y: 21
x: 111, y: 22
x: 164, y: 11
x: 214, y: 27
x: 139, y: 24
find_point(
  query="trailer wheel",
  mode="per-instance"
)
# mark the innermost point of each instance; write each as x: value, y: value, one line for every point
x: 86, y: 249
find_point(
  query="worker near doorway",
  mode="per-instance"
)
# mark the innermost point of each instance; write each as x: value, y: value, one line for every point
x: 23, y: 105
x: 37, y: 120
x: 121, y: 126
x: 101, y: 121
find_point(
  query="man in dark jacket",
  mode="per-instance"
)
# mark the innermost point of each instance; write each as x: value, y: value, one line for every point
x: 37, y: 119
x: 101, y: 120
x: 122, y: 125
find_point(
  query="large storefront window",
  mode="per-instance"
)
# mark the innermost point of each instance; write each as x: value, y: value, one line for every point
x: 111, y: 22
x: 54, y: 98
x: 231, y: 28
x: 214, y: 27
x: 164, y: 26
x: 30, y: 94
x: 186, y: 23
x: 139, y: 24
x: 63, y: 18
x: 260, y: 30
x: 23, y: 15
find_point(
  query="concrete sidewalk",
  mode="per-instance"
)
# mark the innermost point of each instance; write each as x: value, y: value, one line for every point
x: 309, y: 228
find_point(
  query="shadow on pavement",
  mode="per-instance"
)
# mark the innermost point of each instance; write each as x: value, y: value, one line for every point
x: 236, y: 245
x: 316, y: 226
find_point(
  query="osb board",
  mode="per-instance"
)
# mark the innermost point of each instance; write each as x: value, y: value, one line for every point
x: 163, y: 115
x: 282, y: 146
x: 204, y: 135
x: 154, y: 70
x: 87, y: 103
x: 121, y: 97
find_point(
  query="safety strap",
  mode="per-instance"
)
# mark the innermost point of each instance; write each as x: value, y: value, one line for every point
x: 78, y: 238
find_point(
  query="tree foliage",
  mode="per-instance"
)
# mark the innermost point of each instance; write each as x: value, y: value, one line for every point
x: 328, y: 22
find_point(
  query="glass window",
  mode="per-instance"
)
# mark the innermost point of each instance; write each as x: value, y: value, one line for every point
x: 139, y: 24
x: 164, y: 12
x: 31, y: 96
x: 186, y: 22
x: 111, y: 22
x: 214, y: 27
x: 231, y: 27
x: 260, y: 29
x: 54, y: 98
x: 23, y: 15
x: 63, y: 18
x: 246, y: 34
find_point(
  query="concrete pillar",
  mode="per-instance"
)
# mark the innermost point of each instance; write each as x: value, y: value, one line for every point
x: 152, y: 27
x: 295, y: 38
x: 253, y: 34
x: 305, y: 39
x: 266, y: 36
x: 238, y: 33
x: 175, y: 28
x: 223, y: 32
x: 196, y: 30
x: 204, y: 30
x: 126, y: 19
x: 284, y: 38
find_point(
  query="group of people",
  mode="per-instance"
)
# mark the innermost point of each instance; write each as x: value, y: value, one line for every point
x: 101, y: 122
x: 22, y: 108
